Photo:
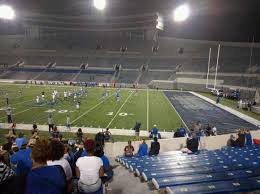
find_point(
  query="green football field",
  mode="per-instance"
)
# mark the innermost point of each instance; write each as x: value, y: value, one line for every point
x: 149, y: 107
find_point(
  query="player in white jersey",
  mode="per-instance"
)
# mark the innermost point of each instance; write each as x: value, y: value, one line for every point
x: 65, y: 95
x: 53, y: 97
x: 37, y: 99
x: 78, y: 105
x: 75, y: 97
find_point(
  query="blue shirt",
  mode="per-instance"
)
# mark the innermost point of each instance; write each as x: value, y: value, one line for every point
x: 249, y: 140
x: 84, y: 153
x: 106, y: 165
x: 20, y: 141
x: 154, y: 131
x: 182, y: 132
x: 45, y: 180
x: 143, y: 150
x: 23, y: 160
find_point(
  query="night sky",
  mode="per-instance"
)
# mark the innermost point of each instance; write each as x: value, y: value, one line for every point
x: 226, y: 20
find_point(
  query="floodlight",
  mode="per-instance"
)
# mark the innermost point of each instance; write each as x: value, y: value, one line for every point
x: 100, y: 4
x: 6, y: 12
x: 181, y: 13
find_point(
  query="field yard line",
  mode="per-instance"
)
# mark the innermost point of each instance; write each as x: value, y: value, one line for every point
x: 147, y: 100
x: 20, y: 112
x: 176, y: 111
x: 91, y: 109
x: 119, y: 109
x: 21, y: 102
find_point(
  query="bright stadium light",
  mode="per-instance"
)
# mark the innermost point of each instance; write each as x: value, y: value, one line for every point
x: 6, y: 12
x: 100, y: 4
x: 181, y: 13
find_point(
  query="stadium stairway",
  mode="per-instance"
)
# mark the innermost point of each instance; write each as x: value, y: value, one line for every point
x: 226, y: 170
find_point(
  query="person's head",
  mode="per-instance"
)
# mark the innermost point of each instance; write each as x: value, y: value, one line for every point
x: 90, y: 145
x: 232, y: 137
x: 21, y: 135
x: 79, y: 130
x: 155, y: 139
x: 129, y: 142
x: 107, y: 129
x: 193, y: 134
x: 143, y: 141
x: 248, y: 131
x: 55, y: 128
x: 50, y: 115
x: 56, y: 150
x: 34, y: 126
x: 41, y: 151
x: 14, y: 125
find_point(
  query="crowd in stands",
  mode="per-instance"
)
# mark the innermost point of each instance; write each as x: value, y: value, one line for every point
x: 143, y: 149
x: 55, y: 166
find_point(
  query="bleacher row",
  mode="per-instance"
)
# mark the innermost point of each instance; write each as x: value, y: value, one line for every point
x: 227, y: 170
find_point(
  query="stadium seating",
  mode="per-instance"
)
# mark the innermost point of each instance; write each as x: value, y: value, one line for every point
x: 219, y: 171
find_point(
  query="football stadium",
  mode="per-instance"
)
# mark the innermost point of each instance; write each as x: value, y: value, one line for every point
x: 129, y: 97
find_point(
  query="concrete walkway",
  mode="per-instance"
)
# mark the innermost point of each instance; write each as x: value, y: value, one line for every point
x: 230, y: 110
x: 125, y: 132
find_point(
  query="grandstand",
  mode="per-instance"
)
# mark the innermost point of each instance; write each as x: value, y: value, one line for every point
x: 92, y: 92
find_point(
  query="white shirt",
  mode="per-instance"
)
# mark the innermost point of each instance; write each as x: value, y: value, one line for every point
x: 64, y: 164
x: 89, y: 167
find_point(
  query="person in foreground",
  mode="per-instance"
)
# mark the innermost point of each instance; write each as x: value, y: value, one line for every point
x: 129, y: 149
x: 41, y: 179
x: 89, y: 169
x: 192, y: 144
x: 143, y: 149
x: 155, y: 147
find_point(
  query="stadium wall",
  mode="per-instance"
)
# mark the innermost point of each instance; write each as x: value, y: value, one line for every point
x: 209, y: 143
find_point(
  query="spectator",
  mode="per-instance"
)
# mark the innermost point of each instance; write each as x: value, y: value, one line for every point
x: 177, y: 134
x: 9, y: 115
x: 241, y: 140
x: 89, y: 169
x: 21, y: 140
x: 129, y: 149
x: 22, y: 160
x: 192, y: 144
x: 12, y: 131
x: 107, y: 135
x: 108, y: 169
x: 182, y: 131
x: 50, y: 122
x: 143, y: 149
x: 55, y: 133
x: 137, y: 129
x: 56, y: 158
x: 79, y: 135
x: 6, y: 173
x: 231, y: 141
x: 214, y: 131
x: 100, y: 138
x: 249, y: 139
x: 35, y: 126
x: 8, y: 146
x: 208, y: 130
x: 43, y: 179
x: 155, y: 147
x: 154, y: 132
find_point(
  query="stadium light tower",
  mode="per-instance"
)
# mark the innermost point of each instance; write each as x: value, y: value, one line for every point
x: 6, y: 12
x: 100, y: 4
x: 181, y: 13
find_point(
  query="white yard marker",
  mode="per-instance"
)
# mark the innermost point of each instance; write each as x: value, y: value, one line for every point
x: 91, y: 109
x: 147, y: 105
x: 119, y: 109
